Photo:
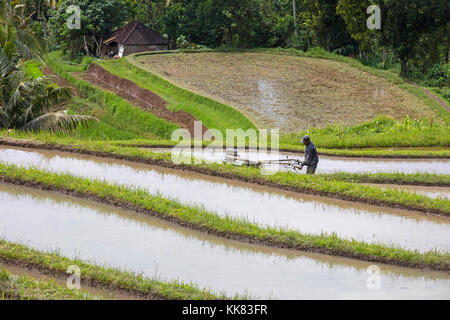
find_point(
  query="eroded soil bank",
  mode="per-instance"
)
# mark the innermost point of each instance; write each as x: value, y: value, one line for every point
x: 124, y: 239
x: 263, y: 205
x: 143, y: 98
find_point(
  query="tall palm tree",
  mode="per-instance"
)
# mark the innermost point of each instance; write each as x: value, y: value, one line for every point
x: 25, y: 103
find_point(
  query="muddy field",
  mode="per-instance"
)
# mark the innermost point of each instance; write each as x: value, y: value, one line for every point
x: 291, y: 93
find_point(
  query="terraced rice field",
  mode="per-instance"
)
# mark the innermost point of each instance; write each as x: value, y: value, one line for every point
x: 327, y: 164
x: 132, y: 241
x: 265, y: 206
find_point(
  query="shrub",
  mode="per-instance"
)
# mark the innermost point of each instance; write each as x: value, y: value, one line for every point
x: 437, y: 76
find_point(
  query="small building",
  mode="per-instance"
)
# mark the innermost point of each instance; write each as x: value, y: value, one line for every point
x: 132, y: 38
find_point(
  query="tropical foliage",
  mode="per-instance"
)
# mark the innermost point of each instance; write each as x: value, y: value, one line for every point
x: 27, y: 103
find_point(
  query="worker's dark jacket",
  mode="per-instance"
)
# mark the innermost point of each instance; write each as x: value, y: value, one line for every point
x: 311, y: 157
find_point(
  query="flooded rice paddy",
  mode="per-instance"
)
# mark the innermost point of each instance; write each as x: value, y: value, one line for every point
x: 262, y: 205
x: 327, y: 164
x: 123, y: 239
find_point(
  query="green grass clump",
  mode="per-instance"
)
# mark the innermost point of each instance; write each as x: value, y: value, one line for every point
x: 381, y: 132
x: 213, y: 114
x: 33, y: 69
x: 26, y: 288
x: 204, y: 219
x: 102, y: 276
x: 70, y: 66
x: 118, y: 118
x: 420, y: 179
x: 443, y: 93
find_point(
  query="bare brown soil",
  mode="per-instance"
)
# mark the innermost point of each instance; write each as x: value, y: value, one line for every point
x: 214, y: 173
x: 59, y: 81
x: 287, y: 92
x: 143, y: 98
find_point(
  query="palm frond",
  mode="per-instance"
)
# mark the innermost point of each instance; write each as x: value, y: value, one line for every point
x: 29, y: 46
x: 58, y: 122
x: 6, y: 66
x: 57, y: 95
x: 4, y: 118
x: 19, y: 95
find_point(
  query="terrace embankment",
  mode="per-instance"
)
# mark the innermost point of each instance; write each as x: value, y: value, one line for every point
x: 429, y: 191
x: 143, y: 98
x: 229, y: 173
x: 15, y: 269
x: 139, y: 243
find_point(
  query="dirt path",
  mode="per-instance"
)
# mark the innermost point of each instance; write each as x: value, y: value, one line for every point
x: 143, y: 98
x: 430, y: 94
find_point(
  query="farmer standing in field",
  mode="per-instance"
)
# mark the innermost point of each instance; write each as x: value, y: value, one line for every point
x: 311, y: 157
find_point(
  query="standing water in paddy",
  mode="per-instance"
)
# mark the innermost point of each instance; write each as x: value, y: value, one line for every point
x: 262, y: 205
x: 139, y: 243
x: 327, y: 164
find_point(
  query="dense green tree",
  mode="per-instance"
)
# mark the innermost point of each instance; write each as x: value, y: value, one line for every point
x: 16, y: 39
x: 407, y: 21
x: 173, y: 22
x: 354, y: 13
x: 98, y: 18
x: 329, y: 28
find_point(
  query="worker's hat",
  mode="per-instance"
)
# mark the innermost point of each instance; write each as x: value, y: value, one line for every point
x: 306, y: 139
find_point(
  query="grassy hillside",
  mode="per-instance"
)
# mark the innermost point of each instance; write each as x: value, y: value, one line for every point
x: 118, y: 119
x: 213, y: 114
